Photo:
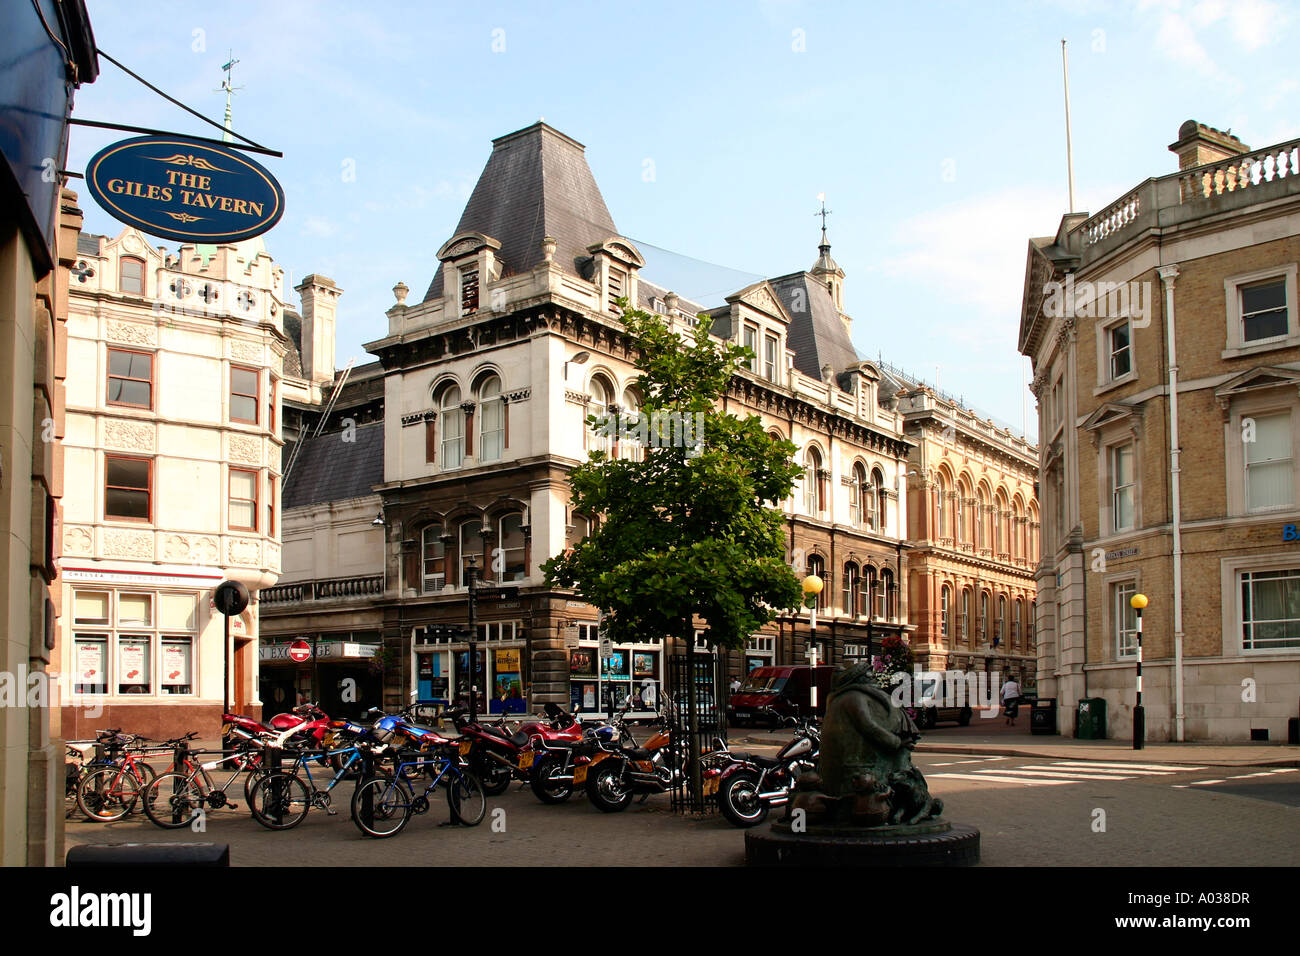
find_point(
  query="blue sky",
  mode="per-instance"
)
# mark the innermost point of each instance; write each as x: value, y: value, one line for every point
x: 935, y: 129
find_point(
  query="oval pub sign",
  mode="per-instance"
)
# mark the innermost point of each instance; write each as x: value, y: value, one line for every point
x: 178, y: 188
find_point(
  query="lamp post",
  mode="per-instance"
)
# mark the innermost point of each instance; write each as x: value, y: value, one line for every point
x: 1138, y: 602
x: 812, y: 586
x: 471, y: 574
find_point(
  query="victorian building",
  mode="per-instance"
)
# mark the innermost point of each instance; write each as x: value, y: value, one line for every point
x: 973, y: 531
x: 172, y: 457
x: 453, y: 452
x: 1165, y: 338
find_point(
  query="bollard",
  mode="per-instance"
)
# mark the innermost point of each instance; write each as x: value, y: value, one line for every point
x: 148, y: 854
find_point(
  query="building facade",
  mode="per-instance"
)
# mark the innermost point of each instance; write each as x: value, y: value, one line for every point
x: 487, y: 382
x: 47, y: 51
x: 172, y: 453
x: 974, y: 528
x: 1166, y: 350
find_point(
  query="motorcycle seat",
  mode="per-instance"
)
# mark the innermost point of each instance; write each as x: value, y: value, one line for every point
x: 494, y: 731
x: 757, y: 759
x: 519, y: 739
x: 640, y: 753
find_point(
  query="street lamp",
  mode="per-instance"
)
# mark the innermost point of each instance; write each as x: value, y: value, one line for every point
x: 1138, y: 602
x: 812, y: 586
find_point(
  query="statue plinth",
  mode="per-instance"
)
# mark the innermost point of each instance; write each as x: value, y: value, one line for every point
x: 935, y: 842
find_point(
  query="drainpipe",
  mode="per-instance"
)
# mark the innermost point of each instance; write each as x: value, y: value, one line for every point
x: 1167, y: 275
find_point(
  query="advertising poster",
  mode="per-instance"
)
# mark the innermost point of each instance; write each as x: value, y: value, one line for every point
x: 130, y: 663
x: 643, y: 665
x: 91, y: 664
x: 175, y: 664
x: 616, y: 664
x: 582, y: 662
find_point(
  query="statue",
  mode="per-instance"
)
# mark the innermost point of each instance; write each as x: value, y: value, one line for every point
x: 865, y: 775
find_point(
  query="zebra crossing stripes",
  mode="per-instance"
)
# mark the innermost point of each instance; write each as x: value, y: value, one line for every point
x: 1058, y: 773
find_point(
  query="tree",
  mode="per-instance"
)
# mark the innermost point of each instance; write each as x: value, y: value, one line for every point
x: 691, y: 529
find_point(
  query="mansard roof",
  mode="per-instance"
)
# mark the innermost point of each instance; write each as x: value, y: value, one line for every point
x: 536, y: 183
x: 817, y: 333
x: 331, y: 469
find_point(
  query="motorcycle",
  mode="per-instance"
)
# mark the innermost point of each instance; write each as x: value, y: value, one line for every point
x: 497, y: 755
x: 555, y: 762
x: 749, y: 785
x: 617, y: 772
x: 312, y: 724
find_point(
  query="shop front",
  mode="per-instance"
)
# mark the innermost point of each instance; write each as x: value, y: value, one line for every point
x: 601, y: 683
x: 338, y: 675
x: 444, y: 672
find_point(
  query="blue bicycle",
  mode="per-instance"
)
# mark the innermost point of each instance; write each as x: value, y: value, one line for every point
x: 282, y: 799
x: 382, y: 807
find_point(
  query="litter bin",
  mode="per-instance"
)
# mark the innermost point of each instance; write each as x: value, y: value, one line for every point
x: 1042, y: 716
x: 1090, y: 720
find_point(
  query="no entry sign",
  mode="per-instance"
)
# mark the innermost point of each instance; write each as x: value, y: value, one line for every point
x: 299, y: 651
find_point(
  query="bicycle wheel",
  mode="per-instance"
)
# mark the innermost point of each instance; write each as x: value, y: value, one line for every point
x: 283, y: 810
x: 390, y: 807
x: 107, y: 794
x: 252, y: 778
x: 174, y: 800
x: 466, y: 798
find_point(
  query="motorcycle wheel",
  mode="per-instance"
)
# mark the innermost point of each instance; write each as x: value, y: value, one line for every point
x: 739, y: 802
x: 493, y: 776
x: 544, y: 787
x: 606, y: 789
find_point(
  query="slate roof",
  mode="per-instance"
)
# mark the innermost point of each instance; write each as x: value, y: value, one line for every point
x: 536, y: 183
x: 330, y: 469
x: 88, y: 244
x: 817, y: 332
x: 292, y: 322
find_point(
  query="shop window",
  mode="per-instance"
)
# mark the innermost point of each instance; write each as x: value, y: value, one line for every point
x: 90, y: 663
x: 135, y: 610
x: 90, y: 607
x: 177, y: 670
x: 130, y: 378
x: 128, y: 485
x: 133, y: 673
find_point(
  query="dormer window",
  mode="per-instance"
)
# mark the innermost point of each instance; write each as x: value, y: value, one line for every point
x: 469, y: 290
x: 131, y: 276
x: 751, y: 343
x: 616, y: 289
x: 769, y: 358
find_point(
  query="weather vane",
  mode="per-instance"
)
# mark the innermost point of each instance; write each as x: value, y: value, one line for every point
x: 821, y: 197
x: 228, y: 68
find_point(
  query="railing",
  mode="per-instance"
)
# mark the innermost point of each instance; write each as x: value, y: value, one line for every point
x: 333, y: 589
x: 1246, y: 171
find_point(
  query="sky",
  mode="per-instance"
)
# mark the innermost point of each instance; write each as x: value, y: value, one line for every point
x: 935, y: 129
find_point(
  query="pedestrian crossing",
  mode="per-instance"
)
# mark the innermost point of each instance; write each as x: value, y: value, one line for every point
x: 1056, y: 773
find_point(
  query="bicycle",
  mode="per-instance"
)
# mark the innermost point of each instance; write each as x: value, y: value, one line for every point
x: 175, y: 799
x: 281, y: 800
x: 109, y: 791
x: 382, y: 807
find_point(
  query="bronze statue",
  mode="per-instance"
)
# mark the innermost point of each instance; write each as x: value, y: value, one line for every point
x: 865, y: 775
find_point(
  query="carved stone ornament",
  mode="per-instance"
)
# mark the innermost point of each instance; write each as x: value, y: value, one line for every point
x: 120, y: 543
x: 132, y: 436
x: 245, y: 449
x: 78, y: 541
x: 248, y: 351
x: 246, y: 551
x: 129, y: 333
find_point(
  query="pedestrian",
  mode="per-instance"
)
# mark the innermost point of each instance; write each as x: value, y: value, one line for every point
x: 1010, y: 700
x: 735, y: 684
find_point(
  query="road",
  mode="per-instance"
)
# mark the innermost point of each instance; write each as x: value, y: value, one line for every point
x: 1031, y: 812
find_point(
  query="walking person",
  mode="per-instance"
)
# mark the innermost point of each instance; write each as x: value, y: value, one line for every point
x: 1010, y: 700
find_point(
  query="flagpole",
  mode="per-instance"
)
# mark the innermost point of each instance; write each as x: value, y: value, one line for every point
x: 1069, y: 150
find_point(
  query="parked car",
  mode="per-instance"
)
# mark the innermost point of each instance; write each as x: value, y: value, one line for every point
x: 771, y: 694
x: 931, y: 707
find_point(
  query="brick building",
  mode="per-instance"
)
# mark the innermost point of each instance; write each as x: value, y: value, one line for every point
x: 1165, y: 338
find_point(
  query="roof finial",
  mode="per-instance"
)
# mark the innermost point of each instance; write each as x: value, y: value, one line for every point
x: 821, y: 197
x: 228, y: 68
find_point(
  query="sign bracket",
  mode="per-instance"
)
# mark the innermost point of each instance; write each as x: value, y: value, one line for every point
x: 163, y: 132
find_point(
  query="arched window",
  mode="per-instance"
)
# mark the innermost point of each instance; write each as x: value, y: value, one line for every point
x: 492, y: 419
x: 980, y: 503
x: 630, y: 447
x: 130, y: 275
x: 579, y: 528
x: 871, y: 586
x: 963, y: 513
x: 1000, y: 630
x: 602, y: 396
x: 881, y: 500
x: 812, y: 482
x: 964, y: 637
x: 858, y: 509
x: 471, y: 545
x: 888, y: 594
x: 940, y: 508
x: 818, y: 567
x: 852, y: 586
x: 945, y: 599
x: 452, y: 417
x: 432, y: 559
x: 1016, y: 622
x: 510, y: 539
x: 984, y: 616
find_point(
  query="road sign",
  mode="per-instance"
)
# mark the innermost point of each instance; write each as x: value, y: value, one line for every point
x: 230, y: 597
x: 299, y: 651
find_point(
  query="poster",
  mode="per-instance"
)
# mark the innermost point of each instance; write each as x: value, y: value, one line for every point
x: 507, y: 660
x: 616, y: 664
x: 582, y: 661
x: 588, y: 697
x: 131, y: 667
x: 175, y: 664
x: 90, y: 663
x: 643, y: 665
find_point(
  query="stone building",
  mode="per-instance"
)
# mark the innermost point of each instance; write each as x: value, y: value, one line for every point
x: 973, y: 528
x: 172, y: 452
x: 487, y: 380
x: 1165, y: 338
x: 45, y: 56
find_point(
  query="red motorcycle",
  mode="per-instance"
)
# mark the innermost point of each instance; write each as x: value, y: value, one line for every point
x: 311, y: 722
x: 497, y: 755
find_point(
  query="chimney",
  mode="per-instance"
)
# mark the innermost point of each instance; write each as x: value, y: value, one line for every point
x: 319, y: 305
x: 1199, y: 144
